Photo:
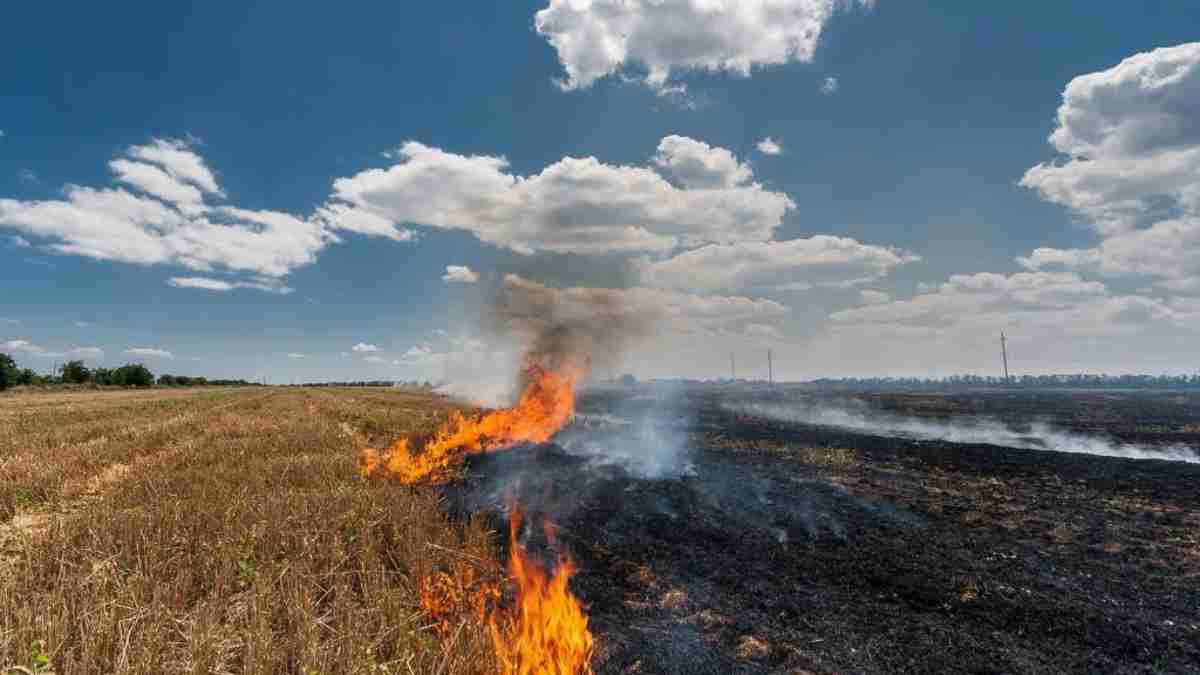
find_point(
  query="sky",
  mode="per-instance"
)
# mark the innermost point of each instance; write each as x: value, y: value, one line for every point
x: 306, y: 192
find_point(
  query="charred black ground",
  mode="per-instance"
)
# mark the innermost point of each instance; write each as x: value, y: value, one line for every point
x: 784, y: 548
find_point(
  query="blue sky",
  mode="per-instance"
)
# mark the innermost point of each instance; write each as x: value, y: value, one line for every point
x: 863, y: 247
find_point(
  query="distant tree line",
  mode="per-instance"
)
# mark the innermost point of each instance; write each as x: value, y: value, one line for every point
x: 404, y: 384
x: 77, y: 372
x: 1060, y: 381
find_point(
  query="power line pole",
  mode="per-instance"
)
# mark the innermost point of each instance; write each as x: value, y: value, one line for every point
x: 770, y: 369
x: 732, y: 367
x: 1004, y: 355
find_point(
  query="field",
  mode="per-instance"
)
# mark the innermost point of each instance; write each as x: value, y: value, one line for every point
x: 214, y: 531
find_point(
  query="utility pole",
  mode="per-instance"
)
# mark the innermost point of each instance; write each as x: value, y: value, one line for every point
x: 770, y: 369
x: 732, y: 367
x: 1004, y: 355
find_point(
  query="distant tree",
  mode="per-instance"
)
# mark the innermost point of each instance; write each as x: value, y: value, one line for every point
x: 166, y: 380
x: 27, y: 377
x: 74, y: 372
x: 8, y: 371
x: 103, y: 376
x: 133, y: 375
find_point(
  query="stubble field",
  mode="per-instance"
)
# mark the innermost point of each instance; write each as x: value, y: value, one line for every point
x: 212, y: 531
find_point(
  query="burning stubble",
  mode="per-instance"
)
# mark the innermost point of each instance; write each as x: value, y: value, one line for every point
x: 565, y: 332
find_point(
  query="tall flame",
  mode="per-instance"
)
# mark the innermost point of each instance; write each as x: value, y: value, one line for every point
x: 547, y: 632
x: 546, y: 405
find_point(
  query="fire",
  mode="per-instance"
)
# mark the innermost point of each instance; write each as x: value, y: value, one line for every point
x: 546, y: 633
x: 546, y: 405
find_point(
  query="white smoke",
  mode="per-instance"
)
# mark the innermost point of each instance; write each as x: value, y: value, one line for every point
x: 642, y: 435
x: 1039, y: 435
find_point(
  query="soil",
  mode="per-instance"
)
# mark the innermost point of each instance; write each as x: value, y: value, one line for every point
x: 776, y: 547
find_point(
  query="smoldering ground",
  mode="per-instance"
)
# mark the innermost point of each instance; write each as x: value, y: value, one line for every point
x: 675, y: 541
x: 854, y: 415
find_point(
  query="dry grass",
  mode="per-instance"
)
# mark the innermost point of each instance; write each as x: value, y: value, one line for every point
x: 222, y: 532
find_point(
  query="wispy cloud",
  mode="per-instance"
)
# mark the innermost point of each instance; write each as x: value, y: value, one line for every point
x: 33, y: 349
x: 297, y: 355
x: 264, y: 284
x: 19, y: 242
x: 829, y: 85
x: 22, y: 346
x: 151, y: 352
x: 460, y: 274
x: 364, y: 348
x: 770, y: 146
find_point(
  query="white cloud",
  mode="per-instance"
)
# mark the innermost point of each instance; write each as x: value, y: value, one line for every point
x: 829, y: 85
x: 695, y: 164
x: 578, y: 205
x: 375, y: 359
x: 602, y: 37
x: 770, y: 146
x: 181, y: 229
x: 1055, y: 321
x: 177, y: 159
x: 22, y: 346
x: 818, y: 261
x: 1131, y: 138
x: 151, y: 352
x: 343, y: 216
x: 460, y: 274
x: 154, y: 181
x: 19, y: 242
x: 28, y: 347
x: 966, y: 297
x: 27, y: 175
x: 83, y: 324
x: 364, y: 348
x: 297, y: 355
x: 1169, y: 249
x: 8, y: 320
x: 265, y: 284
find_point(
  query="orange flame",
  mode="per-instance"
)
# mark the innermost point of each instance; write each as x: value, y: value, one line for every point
x: 547, y: 633
x: 546, y: 406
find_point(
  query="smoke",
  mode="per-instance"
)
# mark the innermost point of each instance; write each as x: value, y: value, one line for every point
x: 1038, y: 436
x: 572, y: 327
x: 645, y: 435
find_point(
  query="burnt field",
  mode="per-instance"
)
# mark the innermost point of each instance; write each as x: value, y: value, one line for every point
x: 230, y: 531
x: 715, y: 534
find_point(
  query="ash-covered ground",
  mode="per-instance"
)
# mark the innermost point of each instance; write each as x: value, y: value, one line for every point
x: 735, y: 533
